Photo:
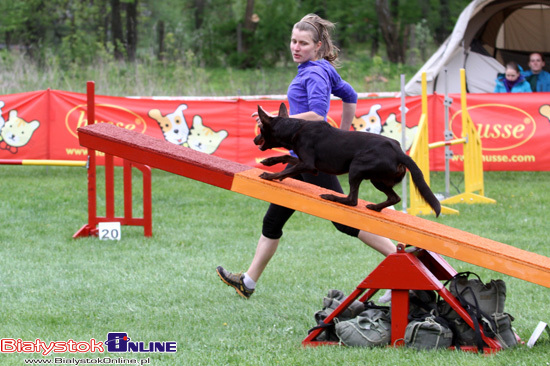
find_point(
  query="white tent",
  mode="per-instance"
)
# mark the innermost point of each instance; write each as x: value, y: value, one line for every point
x: 487, y: 34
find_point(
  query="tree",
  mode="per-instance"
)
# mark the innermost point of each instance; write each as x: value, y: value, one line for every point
x: 116, y: 29
x: 131, y: 29
x: 245, y: 31
x: 160, y: 37
x: 240, y: 33
x: 199, y: 13
x: 393, y: 31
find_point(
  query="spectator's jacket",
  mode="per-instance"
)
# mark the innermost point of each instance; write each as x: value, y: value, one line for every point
x: 543, y: 81
x: 522, y: 86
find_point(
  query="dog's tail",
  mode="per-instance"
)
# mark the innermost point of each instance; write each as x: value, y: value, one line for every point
x: 418, y: 179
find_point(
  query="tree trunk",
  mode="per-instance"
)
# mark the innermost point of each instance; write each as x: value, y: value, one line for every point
x: 105, y: 18
x: 249, y: 24
x: 116, y: 29
x: 199, y: 13
x: 131, y: 29
x: 445, y: 19
x: 245, y: 33
x: 35, y: 29
x: 160, y: 39
x: 390, y: 30
x: 375, y: 42
x: 7, y: 39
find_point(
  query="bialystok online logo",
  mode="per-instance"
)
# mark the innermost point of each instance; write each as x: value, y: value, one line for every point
x: 118, y: 342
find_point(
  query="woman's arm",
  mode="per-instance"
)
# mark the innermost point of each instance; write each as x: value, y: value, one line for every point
x: 348, y: 113
x: 308, y: 116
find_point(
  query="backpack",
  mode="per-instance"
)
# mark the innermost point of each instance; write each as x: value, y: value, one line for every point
x: 371, y: 328
x: 485, y: 305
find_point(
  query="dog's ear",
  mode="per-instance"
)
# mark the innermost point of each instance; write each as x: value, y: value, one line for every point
x: 283, y: 111
x: 264, y: 117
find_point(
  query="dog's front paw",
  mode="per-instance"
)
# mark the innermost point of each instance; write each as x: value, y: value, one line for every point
x: 267, y: 176
x: 268, y: 162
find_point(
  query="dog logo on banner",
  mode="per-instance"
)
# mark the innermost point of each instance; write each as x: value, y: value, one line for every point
x: 175, y: 130
x: 15, y: 132
x: 372, y: 122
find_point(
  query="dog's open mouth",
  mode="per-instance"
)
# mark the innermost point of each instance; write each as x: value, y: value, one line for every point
x: 259, y: 141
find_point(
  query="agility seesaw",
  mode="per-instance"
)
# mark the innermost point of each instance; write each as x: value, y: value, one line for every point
x: 400, y: 272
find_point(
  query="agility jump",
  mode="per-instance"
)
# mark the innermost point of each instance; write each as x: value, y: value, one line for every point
x: 473, y: 159
x: 91, y: 228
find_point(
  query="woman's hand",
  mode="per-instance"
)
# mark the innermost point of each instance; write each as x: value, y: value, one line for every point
x: 258, y: 121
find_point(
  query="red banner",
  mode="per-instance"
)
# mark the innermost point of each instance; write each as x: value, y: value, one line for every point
x: 42, y: 125
x: 514, y: 130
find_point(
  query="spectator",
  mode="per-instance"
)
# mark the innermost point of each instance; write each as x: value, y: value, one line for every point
x: 512, y: 81
x: 536, y: 76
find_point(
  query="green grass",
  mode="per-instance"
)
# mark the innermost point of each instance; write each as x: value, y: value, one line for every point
x: 165, y: 288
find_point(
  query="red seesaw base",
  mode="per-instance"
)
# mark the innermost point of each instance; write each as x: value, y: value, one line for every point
x: 403, y: 271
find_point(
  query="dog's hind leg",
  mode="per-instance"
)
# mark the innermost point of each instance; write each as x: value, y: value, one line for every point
x: 393, y: 198
x: 352, y: 198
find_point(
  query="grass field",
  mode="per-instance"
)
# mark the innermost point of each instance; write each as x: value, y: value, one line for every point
x: 165, y: 288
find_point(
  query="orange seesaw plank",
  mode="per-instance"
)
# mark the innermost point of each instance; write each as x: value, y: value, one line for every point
x: 304, y: 197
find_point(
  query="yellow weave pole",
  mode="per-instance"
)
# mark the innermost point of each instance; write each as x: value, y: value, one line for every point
x: 420, y: 153
x: 473, y: 157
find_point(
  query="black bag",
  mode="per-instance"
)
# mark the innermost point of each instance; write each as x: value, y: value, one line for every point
x: 422, y: 303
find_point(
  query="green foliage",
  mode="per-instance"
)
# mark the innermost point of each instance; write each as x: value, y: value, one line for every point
x: 272, y: 37
x: 80, y: 31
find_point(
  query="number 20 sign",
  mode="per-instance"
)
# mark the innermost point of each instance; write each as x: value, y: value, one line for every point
x: 109, y: 230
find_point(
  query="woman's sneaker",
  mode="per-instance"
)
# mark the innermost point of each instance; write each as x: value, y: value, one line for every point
x: 235, y: 280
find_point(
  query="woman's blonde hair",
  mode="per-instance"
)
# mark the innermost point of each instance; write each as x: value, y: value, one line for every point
x: 320, y: 30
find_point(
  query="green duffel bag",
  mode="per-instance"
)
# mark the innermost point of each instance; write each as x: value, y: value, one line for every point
x: 371, y: 328
x: 333, y: 299
x: 330, y: 302
x: 428, y: 333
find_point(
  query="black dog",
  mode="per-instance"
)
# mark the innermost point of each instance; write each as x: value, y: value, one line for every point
x: 321, y: 147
